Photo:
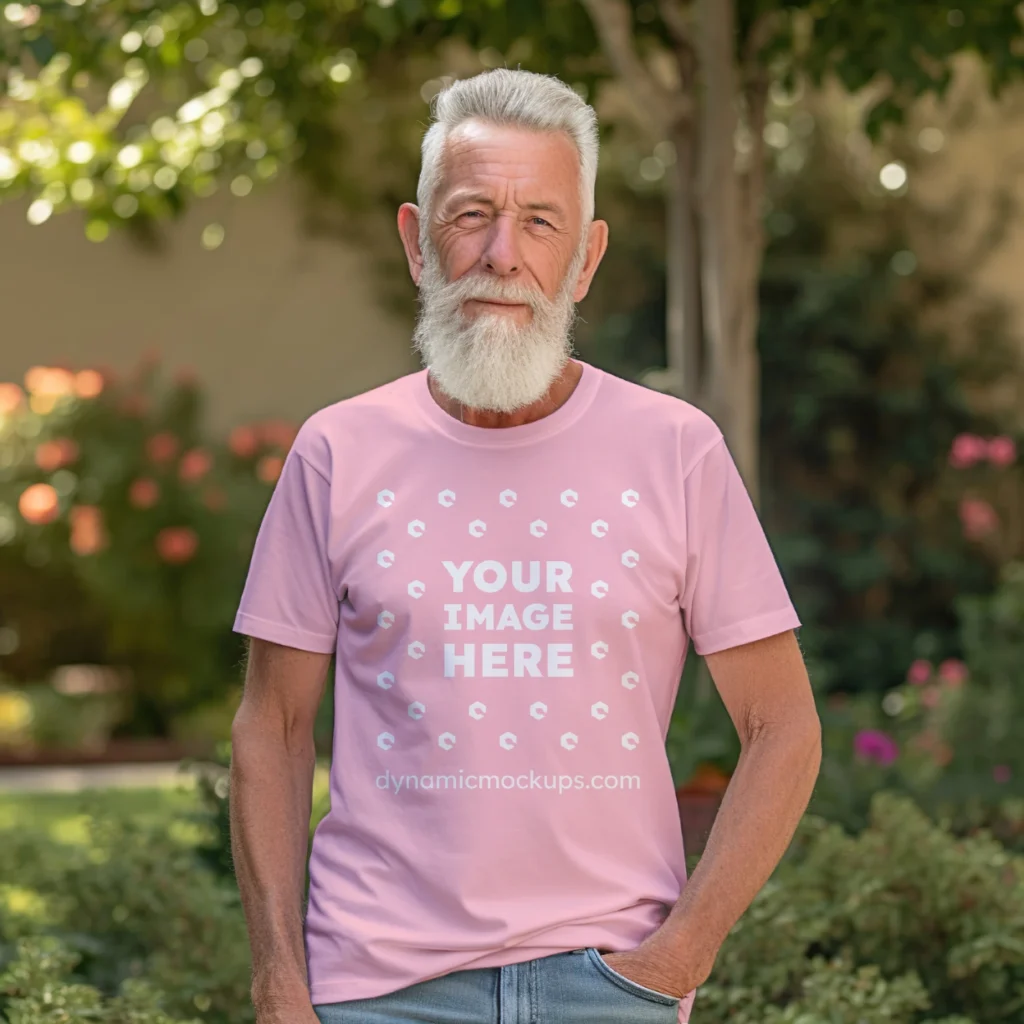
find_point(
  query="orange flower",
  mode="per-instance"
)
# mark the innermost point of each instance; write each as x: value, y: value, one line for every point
x: 194, y: 465
x: 51, y: 455
x: 186, y: 377
x: 162, y: 447
x: 39, y: 504
x: 269, y: 468
x: 177, y: 544
x: 135, y: 406
x: 279, y: 433
x: 244, y: 442
x: 215, y: 499
x: 931, y: 743
x: 144, y: 493
x: 11, y: 398
x: 88, y: 383
x: 87, y: 531
x: 50, y: 380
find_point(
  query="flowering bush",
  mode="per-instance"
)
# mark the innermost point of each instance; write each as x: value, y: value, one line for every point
x: 979, y: 518
x: 950, y: 734
x: 116, y: 508
x: 904, y: 922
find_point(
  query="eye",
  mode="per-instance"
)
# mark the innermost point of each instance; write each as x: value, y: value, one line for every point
x: 471, y: 213
x: 541, y: 220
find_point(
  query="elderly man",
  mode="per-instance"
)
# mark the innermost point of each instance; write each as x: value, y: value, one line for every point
x: 509, y: 552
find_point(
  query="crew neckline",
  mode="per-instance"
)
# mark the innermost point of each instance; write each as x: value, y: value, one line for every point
x: 507, y: 437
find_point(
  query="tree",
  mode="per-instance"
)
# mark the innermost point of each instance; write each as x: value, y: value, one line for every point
x: 237, y: 90
x: 709, y: 100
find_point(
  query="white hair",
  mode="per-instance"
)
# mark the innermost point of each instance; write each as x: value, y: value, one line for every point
x: 521, y: 99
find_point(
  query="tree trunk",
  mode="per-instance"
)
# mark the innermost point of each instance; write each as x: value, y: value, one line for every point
x: 684, y: 323
x: 731, y: 377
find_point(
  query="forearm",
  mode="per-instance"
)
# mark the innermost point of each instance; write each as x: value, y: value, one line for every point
x: 270, y: 806
x: 763, y: 805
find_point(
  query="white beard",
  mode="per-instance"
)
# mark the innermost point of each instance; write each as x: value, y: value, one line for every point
x: 490, y: 362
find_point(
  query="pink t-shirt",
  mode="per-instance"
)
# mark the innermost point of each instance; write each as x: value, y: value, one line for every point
x: 510, y: 609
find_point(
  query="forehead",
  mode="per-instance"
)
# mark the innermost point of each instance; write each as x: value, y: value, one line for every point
x: 538, y: 165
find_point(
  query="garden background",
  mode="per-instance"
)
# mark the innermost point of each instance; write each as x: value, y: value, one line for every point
x: 197, y: 207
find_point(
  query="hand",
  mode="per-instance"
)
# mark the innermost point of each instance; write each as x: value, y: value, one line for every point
x: 638, y: 966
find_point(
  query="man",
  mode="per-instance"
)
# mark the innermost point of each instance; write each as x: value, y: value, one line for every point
x: 509, y: 551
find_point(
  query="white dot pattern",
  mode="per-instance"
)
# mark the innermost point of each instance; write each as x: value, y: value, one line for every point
x: 538, y: 710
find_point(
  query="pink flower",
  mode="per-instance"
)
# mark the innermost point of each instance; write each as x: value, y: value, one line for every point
x: 244, y: 442
x: 978, y: 518
x: 967, y: 449
x: 1001, y: 773
x: 873, y: 745
x: 162, y: 447
x: 144, y: 493
x: 177, y: 544
x: 919, y: 672
x: 1001, y: 450
x: 194, y: 465
x: 953, y: 672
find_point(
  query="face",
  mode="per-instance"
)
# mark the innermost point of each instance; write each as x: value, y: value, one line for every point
x: 506, y: 262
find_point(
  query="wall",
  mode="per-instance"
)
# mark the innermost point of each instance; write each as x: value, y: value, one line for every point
x: 273, y: 322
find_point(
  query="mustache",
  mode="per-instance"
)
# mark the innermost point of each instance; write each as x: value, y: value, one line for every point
x: 465, y: 289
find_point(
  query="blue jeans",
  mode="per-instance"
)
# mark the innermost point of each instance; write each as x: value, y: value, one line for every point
x: 577, y: 987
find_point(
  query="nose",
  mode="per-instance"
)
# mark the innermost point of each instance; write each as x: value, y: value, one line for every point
x: 501, y: 254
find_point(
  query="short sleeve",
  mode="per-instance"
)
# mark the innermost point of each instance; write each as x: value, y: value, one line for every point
x: 289, y: 598
x: 733, y: 591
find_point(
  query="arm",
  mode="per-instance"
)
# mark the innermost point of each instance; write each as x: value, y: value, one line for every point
x: 272, y: 765
x: 768, y: 695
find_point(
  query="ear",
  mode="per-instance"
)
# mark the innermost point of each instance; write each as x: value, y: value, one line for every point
x: 597, y: 243
x: 409, y: 230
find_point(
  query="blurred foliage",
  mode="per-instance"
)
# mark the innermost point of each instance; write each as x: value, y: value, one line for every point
x: 39, y: 987
x: 128, y: 109
x: 903, y: 922
x: 947, y: 738
x: 875, y: 359
x: 212, y: 811
x: 129, y: 898
x: 40, y: 715
x: 113, y: 486
x: 866, y: 383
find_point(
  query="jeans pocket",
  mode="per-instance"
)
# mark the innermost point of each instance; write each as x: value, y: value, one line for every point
x: 627, y: 983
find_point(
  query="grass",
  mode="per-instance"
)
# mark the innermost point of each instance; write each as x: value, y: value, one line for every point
x: 57, y: 810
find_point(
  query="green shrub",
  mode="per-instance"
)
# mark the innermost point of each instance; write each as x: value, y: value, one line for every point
x: 131, y: 901
x: 37, y: 988
x: 905, y: 923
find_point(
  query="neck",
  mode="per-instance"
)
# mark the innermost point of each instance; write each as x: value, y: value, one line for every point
x: 555, y: 397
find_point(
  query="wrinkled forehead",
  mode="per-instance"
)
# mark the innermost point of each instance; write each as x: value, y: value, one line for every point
x: 511, y: 165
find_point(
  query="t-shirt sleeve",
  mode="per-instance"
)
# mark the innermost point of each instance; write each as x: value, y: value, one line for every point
x: 289, y: 597
x: 733, y: 591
